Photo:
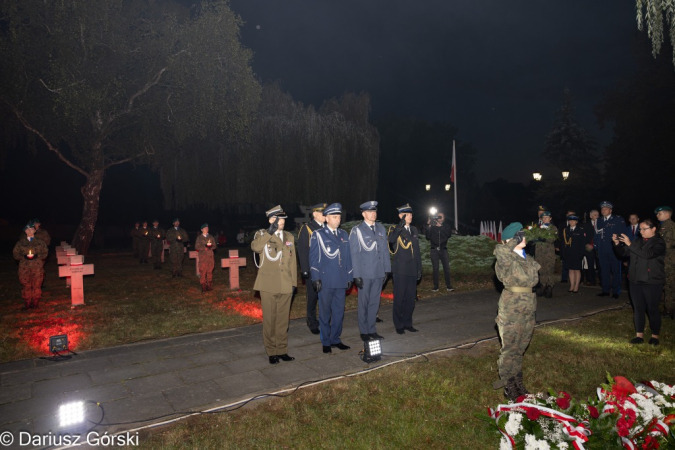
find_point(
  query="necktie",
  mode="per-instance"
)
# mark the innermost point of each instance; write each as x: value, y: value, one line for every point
x: 335, y: 233
x: 407, y: 229
x: 279, y: 235
x: 372, y: 227
x: 634, y: 231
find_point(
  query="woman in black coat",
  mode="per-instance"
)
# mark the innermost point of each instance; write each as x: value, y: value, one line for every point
x: 572, y: 248
x: 646, y: 276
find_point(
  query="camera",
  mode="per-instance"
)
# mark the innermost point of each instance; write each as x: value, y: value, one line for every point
x: 433, y: 216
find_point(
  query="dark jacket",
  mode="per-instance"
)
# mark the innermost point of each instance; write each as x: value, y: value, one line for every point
x: 646, y: 260
x: 438, y: 236
x: 405, y: 247
x: 302, y: 245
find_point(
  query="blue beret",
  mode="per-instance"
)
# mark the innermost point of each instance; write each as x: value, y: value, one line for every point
x: 369, y: 206
x: 334, y: 208
x: 606, y: 204
x: 405, y: 208
x: 656, y: 211
x: 546, y: 213
x: 511, y: 230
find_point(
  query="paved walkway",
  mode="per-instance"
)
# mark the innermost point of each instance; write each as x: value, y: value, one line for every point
x: 138, y: 382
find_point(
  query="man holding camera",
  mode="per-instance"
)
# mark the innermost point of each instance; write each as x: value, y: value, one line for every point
x: 438, y: 233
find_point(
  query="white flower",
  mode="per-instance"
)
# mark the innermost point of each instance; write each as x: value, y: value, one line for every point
x: 513, y: 426
x: 504, y: 444
x: 646, y: 408
x: 531, y: 443
x: 563, y: 445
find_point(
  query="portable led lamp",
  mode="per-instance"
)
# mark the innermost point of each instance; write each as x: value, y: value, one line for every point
x: 58, y: 343
x: 372, y: 351
x: 71, y: 414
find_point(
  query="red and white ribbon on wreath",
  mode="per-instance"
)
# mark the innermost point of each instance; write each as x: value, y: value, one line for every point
x: 628, y: 444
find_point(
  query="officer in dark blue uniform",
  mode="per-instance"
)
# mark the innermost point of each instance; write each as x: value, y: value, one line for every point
x: 331, y: 271
x: 304, y: 235
x: 406, y: 268
x: 371, y: 263
x: 610, y: 265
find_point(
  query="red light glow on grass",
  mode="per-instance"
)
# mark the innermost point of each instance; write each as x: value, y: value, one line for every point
x: 250, y: 309
x: 387, y: 295
x: 37, y: 336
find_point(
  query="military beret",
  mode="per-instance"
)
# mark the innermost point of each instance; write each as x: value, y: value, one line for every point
x: 405, y: 208
x: 606, y: 204
x: 369, y: 206
x: 511, y: 230
x: 573, y: 217
x: 35, y: 221
x: 28, y: 225
x: 542, y: 208
x: 276, y: 211
x: 204, y: 225
x: 319, y: 207
x: 155, y: 221
x: 176, y: 220
x: 546, y: 213
x: 334, y: 208
x: 663, y: 208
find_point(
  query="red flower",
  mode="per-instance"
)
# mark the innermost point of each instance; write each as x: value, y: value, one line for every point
x: 669, y: 419
x: 564, y: 395
x: 594, y: 411
x: 562, y: 402
x: 521, y: 399
x: 632, y: 415
x: 533, y: 414
x: 622, y: 427
x: 623, y: 387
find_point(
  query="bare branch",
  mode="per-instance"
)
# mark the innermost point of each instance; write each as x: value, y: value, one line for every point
x: 142, y: 91
x: 49, y: 145
x: 122, y: 161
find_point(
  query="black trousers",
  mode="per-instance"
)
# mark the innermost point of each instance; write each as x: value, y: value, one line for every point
x: 646, y: 298
x: 443, y: 256
x: 590, y: 260
x: 312, y: 299
x: 405, y: 293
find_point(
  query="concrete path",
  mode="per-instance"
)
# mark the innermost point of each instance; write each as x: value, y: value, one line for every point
x: 136, y: 383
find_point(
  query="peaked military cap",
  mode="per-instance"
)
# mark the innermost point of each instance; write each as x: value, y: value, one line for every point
x: 546, y: 213
x: 204, y: 225
x: 542, y: 208
x: 334, y: 208
x: 28, y: 225
x: 573, y: 217
x: 276, y: 211
x: 511, y: 230
x: 663, y: 208
x: 606, y: 204
x: 405, y: 208
x: 319, y: 207
x: 369, y: 206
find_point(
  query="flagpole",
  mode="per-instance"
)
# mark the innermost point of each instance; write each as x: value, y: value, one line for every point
x: 454, y: 173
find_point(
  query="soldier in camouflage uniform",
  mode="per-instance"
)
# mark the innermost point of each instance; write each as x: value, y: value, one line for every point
x: 157, y: 243
x: 545, y: 256
x: 667, y: 232
x: 205, y: 244
x: 517, y: 307
x: 135, y: 239
x: 145, y: 237
x: 30, y: 252
x: 177, y: 238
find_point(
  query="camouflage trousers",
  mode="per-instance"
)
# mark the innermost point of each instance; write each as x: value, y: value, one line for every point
x: 31, y: 277
x: 144, y: 249
x: 515, y: 320
x: 157, y: 249
x: 545, y: 256
x: 206, y: 265
x: 176, y: 258
x: 669, y: 289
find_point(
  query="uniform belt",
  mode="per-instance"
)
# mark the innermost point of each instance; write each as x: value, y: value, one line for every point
x: 518, y: 289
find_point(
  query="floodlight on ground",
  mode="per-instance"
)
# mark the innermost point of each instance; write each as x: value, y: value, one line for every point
x: 58, y: 343
x: 71, y: 414
x: 372, y: 351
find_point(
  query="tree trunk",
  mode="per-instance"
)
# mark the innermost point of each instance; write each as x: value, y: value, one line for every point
x: 91, y: 193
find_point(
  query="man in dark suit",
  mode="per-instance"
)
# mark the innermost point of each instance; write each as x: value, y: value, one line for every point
x: 610, y: 265
x: 633, y: 227
x: 589, y: 253
x: 304, y: 235
x: 406, y: 269
x: 331, y: 271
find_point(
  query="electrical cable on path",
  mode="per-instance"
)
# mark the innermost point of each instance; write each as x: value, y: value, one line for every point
x: 288, y: 392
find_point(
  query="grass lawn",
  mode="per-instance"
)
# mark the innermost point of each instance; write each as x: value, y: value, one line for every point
x: 127, y: 302
x: 429, y: 404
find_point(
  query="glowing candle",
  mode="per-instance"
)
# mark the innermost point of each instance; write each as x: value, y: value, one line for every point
x: 30, y: 253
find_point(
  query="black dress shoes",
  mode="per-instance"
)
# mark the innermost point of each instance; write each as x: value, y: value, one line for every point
x: 400, y: 330
x: 411, y: 329
x: 615, y: 296
x: 378, y: 320
x: 286, y: 357
x: 274, y: 360
x: 376, y: 336
x: 365, y: 337
x: 341, y: 346
x: 326, y: 349
x: 314, y: 330
x: 603, y: 294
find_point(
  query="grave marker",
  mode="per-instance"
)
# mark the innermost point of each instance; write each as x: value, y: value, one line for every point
x: 234, y: 262
x: 194, y: 254
x: 76, y: 270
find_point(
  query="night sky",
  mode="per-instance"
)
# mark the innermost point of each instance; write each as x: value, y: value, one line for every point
x: 495, y: 69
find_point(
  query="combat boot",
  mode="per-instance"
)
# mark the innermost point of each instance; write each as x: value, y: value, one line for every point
x: 204, y: 288
x: 522, y: 390
x: 548, y: 291
x: 511, y: 390
x: 26, y: 305
x: 539, y: 289
x: 209, y: 287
